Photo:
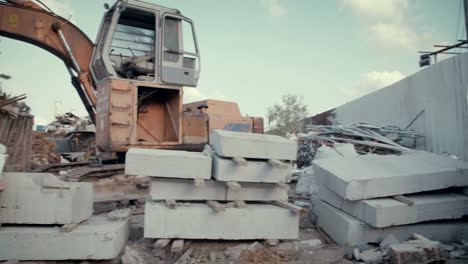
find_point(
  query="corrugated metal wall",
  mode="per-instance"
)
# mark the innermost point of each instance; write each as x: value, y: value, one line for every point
x: 440, y: 90
x: 16, y: 135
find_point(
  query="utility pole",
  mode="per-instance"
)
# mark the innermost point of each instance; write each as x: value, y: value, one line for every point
x: 465, y: 7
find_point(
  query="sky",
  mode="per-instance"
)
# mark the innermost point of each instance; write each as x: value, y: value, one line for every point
x: 255, y: 51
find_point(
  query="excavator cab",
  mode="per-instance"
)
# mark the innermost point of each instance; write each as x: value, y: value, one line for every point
x: 147, y: 42
x: 144, y: 55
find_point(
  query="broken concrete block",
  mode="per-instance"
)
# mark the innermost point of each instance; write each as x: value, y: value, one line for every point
x: 348, y: 230
x: 231, y: 144
x: 388, y: 240
x: 307, y: 183
x: 236, y: 251
x: 385, y: 212
x: 167, y: 163
x: 371, y: 256
x: 97, y: 238
x: 255, y: 246
x: 416, y: 251
x: 177, y: 245
x: 272, y: 242
x: 42, y: 198
x: 198, y: 221
x: 120, y: 215
x: 368, y: 176
x: 310, y: 244
x: 182, y: 189
x: 224, y: 169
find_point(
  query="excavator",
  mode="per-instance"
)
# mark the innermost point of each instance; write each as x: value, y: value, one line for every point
x: 131, y: 79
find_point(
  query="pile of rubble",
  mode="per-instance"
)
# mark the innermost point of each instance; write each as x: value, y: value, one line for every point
x: 43, y: 151
x: 234, y: 185
x: 67, y: 123
x: 366, y: 138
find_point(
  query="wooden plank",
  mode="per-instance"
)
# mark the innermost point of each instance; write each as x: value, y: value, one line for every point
x: 277, y: 163
x: 282, y: 185
x: 177, y: 246
x: 199, y: 182
x: 239, y: 161
x: 235, y: 186
x: 403, y: 199
x: 292, y: 207
x: 216, y: 206
x: 240, y: 204
x: 171, y: 204
x: 161, y: 243
x: 69, y: 227
x: 185, y: 258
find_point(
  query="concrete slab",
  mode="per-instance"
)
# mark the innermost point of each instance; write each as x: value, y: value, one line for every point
x: 348, y: 230
x: 182, y: 189
x: 368, y: 176
x: 254, y: 146
x: 167, y: 163
x: 97, y: 238
x: 224, y: 169
x: 42, y: 198
x: 3, y: 157
x: 198, y: 221
x: 385, y: 212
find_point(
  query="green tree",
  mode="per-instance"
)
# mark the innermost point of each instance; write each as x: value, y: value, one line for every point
x: 288, y: 116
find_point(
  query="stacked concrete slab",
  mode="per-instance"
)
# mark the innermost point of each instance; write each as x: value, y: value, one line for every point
x: 49, y: 219
x: 225, y: 192
x: 3, y: 157
x: 363, y: 198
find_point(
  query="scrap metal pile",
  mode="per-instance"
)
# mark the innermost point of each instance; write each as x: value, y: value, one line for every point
x: 366, y: 138
x: 69, y: 122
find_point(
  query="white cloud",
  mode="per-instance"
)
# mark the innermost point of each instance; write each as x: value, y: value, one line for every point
x: 60, y: 7
x: 381, y: 9
x: 274, y: 7
x: 370, y: 82
x: 194, y: 94
x: 395, y: 36
x: 390, y: 24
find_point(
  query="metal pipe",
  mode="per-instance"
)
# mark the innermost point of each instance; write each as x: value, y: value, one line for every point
x: 57, y: 28
x: 432, y: 53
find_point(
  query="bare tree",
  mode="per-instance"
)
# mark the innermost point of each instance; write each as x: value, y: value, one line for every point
x: 288, y: 116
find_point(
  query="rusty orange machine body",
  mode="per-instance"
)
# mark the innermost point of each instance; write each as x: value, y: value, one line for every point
x: 131, y: 79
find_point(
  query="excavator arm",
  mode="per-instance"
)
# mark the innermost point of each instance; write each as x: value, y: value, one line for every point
x: 27, y: 21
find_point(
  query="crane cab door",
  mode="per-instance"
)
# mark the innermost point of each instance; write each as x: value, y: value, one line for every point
x: 180, y: 62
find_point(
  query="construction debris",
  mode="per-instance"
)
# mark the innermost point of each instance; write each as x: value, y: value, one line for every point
x: 366, y: 138
x: 43, y: 151
x: 69, y: 122
x: 415, y: 251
